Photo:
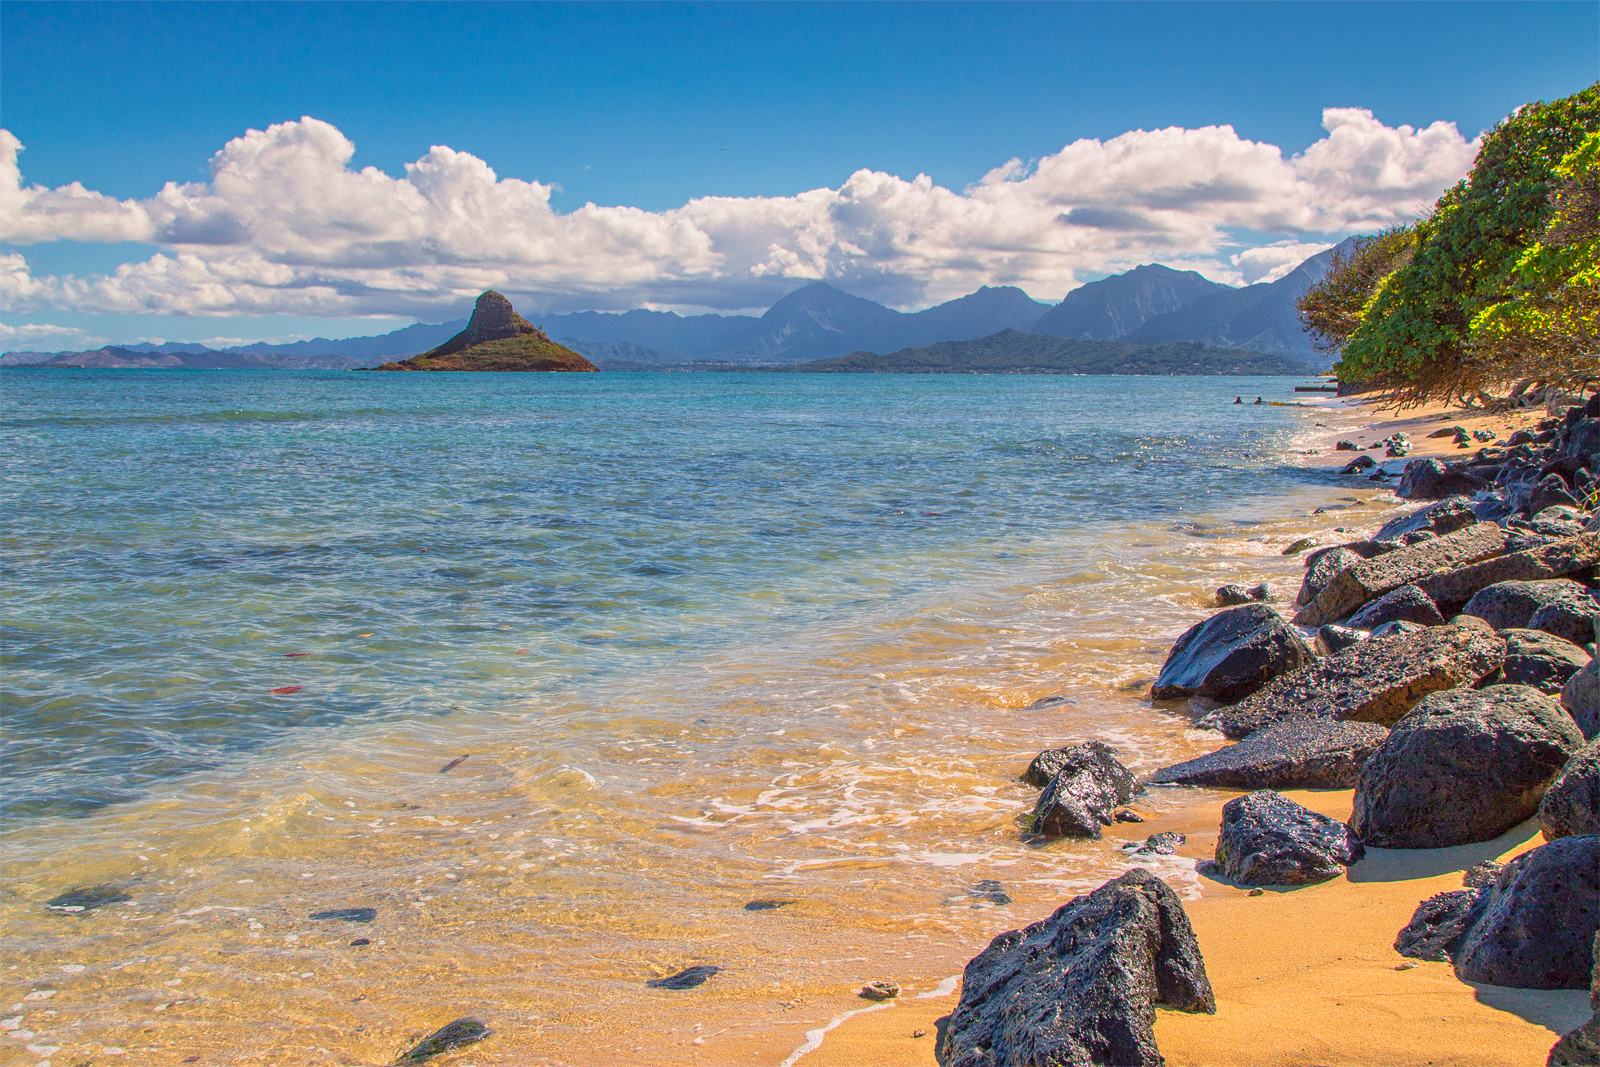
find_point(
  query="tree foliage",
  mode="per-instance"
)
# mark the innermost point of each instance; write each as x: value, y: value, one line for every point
x: 1415, y: 308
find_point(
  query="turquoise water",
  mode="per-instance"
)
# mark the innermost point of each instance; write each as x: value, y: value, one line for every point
x: 703, y: 640
x: 172, y: 535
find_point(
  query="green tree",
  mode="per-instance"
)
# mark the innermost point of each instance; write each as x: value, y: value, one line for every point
x: 1414, y: 330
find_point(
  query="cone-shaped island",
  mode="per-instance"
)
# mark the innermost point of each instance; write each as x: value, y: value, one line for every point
x: 497, y: 338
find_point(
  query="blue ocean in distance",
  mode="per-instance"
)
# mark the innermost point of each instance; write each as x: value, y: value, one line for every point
x: 172, y: 538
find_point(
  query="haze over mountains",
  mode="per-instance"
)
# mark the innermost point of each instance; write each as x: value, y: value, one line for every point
x: 1149, y: 305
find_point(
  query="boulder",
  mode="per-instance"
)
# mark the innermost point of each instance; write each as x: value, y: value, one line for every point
x: 1543, y: 661
x: 1438, y: 925
x: 1452, y: 589
x: 1429, y: 479
x: 1536, y: 929
x: 1230, y: 595
x: 1577, y: 621
x: 1583, y: 440
x: 1268, y: 839
x: 1335, y: 638
x: 1378, y: 680
x: 1580, y: 1048
x: 1081, y: 986
x: 1047, y: 764
x: 1491, y: 509
x: 1571, y: 806
x: 1581, y: 697
x: 1374, y: 577
x: 1397, y: 626
x: 1467, y: 765
x: 1083, y: 795
x: 1324, y: 568
x: 1298, y: 754
x: 1447, y: 516
x: 1551, y: 491
x: 1407, y: 604
x: 1231, y: 655
x: 1508, y: 605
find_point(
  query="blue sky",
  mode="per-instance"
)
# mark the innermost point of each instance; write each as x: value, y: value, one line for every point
x: 649, y: 106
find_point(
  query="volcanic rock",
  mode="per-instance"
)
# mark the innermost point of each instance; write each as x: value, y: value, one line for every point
x: 1378, y: 680
x: 1320, y: 753
x: 1438, y: 925
x: 1467, y: 765
x: 1374, y: 577
x: 1429, y: 479
x: 1080, y: 987
x: 1231, y: 655
x: 1571, y: 805
x: 1452, y: 589
x: 1581, y: 697
x: 1507, y: 605
x: 1083, y: 794
x: 1447, y: 516
x: 1541, y: 660
x: 1537, y: 928
x: 1406, y: 604
x: 1268, y: 839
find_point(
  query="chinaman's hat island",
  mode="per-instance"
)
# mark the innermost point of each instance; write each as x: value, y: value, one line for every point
x: 497, y: 339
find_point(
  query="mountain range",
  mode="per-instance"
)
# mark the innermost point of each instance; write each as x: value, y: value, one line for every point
x: 1149, y: 305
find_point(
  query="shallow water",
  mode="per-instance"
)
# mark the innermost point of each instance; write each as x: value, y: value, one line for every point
x: 703, y: 640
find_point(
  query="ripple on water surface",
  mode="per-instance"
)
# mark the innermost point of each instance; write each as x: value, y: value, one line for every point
x: 703, y: 640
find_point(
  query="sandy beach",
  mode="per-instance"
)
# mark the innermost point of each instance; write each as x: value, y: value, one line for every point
x: 1305, y: 975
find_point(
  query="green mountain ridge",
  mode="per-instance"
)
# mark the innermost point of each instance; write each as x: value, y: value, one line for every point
x: 1013, y: 352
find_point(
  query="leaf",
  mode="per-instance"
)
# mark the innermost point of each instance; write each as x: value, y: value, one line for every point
x: 285, y: 690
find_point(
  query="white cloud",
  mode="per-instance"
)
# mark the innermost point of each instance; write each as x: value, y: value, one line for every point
x: 285, y: 226
x: 1268, y: 263
x: 42, y: 338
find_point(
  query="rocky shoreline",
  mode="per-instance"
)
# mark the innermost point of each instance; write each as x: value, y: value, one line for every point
x: 1444, y: 670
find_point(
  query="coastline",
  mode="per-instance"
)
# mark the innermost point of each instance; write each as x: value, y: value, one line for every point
x: 1303, y: 975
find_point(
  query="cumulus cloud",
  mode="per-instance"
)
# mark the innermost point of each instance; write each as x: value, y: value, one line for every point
x: 286, y: 226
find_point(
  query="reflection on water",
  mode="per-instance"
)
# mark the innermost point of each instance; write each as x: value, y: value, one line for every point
x: 702, y: 641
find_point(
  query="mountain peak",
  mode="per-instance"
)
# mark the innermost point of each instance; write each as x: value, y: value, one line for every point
x: 496, y: 339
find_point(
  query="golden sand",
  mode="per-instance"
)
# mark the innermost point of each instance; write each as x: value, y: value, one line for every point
x: 1309, y: 975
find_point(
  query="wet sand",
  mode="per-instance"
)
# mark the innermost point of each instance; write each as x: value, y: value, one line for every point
x: 1308, y: 975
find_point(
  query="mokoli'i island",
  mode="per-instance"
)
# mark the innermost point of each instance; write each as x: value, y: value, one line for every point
x: 1045, y: 555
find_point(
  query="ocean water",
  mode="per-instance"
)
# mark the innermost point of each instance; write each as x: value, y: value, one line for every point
x: 703, y: 640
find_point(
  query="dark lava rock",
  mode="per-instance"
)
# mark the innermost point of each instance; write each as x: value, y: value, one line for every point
x: 687, y: 978
x: 1577, y: 621
x: 1581, y: 697
x: 1080, y: 987
x: 1415, y: 563
x: 1452, y: 589
x: 1129, y: 816
x: 1297, y: 754
x: 1230, y: 595
x: 1231, y: 655
x: 466, y: 1031
x: 1571, y: 806
x: 1084, y: 793
x: 360, y: 941
x: 1536, y: 929
x: 1481, y: 875
x: 1491, y: 509
x: 88, y: 897
x: 1163, y: 844
x: 1397, y: 626
x: 1268, y: 839
x: 767, y: 905
x: 349, y: 915
x: 1298, y: 547
x: 1438, y: 925
x: 1324, y: 568
x: 1512, y: 605
x: 1552, y: 491
x: 1406, y: 604
x: 1541, y: 660
x: 1335, y: 638
x: 1359, y: 465
x: 1346, y: 446
x: 1378, y: 680
x: 1467, y: 765
x: 1428, y: 479
x: 990, y: 892
x: 1579, y: 1048
x: 1047, y: 764
x: 1447, y: 516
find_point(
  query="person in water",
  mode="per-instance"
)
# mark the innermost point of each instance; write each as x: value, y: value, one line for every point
x: 1238, y: 400
x: 1260, y: 401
